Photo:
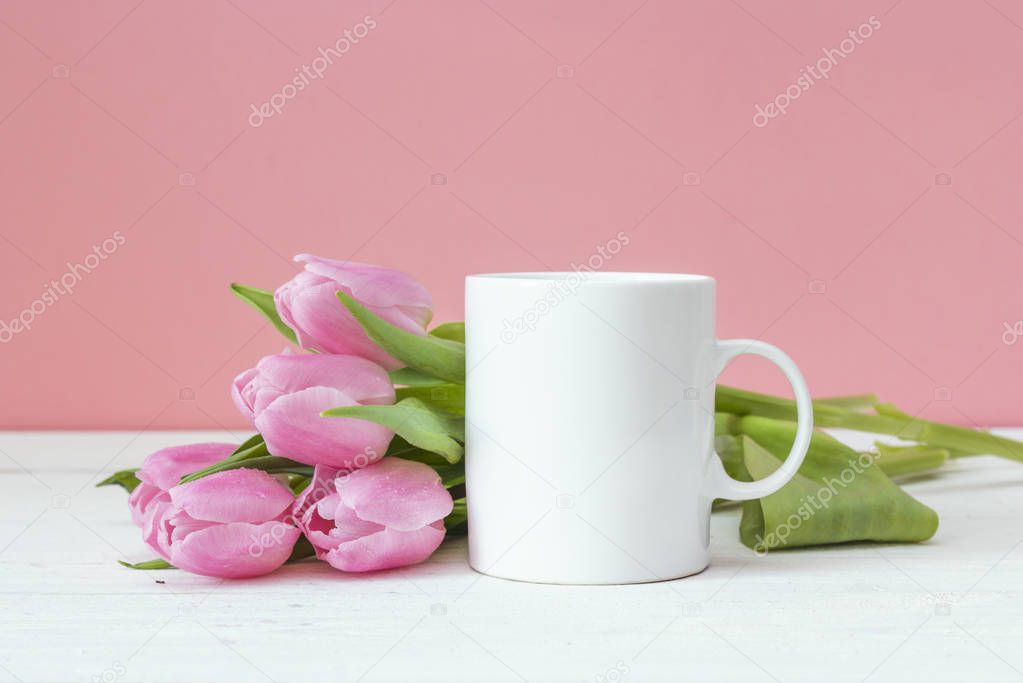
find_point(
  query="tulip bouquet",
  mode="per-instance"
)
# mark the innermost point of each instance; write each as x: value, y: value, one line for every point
x: 308, y: 484
x: 358, y: 455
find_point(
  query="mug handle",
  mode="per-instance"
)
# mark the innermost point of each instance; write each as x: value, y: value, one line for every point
x: 724, y: 486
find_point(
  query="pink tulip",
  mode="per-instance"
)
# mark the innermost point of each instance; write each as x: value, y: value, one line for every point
x: 389, y: 514
x: 308, y: 304
x: 285, y: 394
x: 160, y: 472
x: 231, y: 524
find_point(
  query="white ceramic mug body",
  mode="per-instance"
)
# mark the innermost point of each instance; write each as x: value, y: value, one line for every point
x: 590, y: 425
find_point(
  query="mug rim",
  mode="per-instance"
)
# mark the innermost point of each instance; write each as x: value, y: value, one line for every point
x: 595, y: 277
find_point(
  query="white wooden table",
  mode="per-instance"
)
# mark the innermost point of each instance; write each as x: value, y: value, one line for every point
x: 947, y: 610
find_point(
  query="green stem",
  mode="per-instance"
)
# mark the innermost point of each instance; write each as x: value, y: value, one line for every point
x: 900, y: 461
x: 960, y: 440
x: 857, y: 402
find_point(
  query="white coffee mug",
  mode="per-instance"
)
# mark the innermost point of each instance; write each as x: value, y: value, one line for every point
x: 590, y: 425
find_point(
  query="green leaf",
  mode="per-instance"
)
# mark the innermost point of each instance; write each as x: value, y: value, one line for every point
x: 400, y: 448
x: 126, y: 479
x: 148, y: 564
x: 303, y: 549
x: 452, y: 331
x: 838, y: 495
x: 263, y: 301
x: 728, y: 446
x: 252, y: 448
x: 249, y: 444
x: 431, y: 355
x: 455, y: 522
x: 448, y: 398
x: 270, y: 464
x: 451, y: 475
x: 414, y: 378
x: 416, y: 422
x: 729, y: 449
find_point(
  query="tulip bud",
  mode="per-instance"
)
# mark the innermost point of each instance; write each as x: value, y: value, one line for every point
x: 285, y: 394
x: 308, y: 304
x: 232, y: 524
x: 386, y: 515
x: 160, y: 472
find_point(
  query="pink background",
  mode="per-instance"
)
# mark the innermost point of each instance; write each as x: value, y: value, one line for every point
x: 873, y: 231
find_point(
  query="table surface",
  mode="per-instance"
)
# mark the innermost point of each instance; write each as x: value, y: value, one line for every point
x: 949, y: 609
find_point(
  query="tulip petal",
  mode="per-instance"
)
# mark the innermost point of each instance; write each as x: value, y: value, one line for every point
x: 400, y: 494
x: 179, y: 524
x: 317, y: 529
x: 372, y: 285
x: 408, y: 318
x: 327, y: 325
x: 165, y: 467
x: 241, y: 495
x: 348, y: 525
x: 321, y: 486
x: 293, y: 428
x: 315, y: 511
x: 328, y: 505
x: 155, y: 532
x: 362, y: 380
x: 386, y: 549
x: 285, y: 301
x: 235, y: 551
x: 140, y: 499
x: 242, y: 393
